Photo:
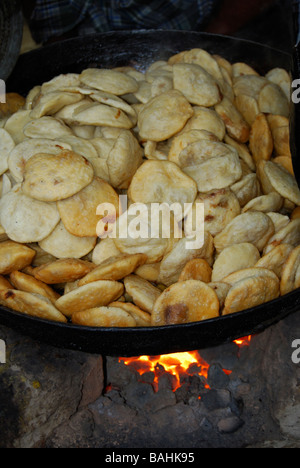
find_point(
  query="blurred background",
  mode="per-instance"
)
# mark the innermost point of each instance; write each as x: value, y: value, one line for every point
x: 266, y: 21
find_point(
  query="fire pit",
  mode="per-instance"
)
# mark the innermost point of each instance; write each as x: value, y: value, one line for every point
x: 240, y: 394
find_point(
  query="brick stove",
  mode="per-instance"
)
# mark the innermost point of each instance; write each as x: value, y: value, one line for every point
x: 247, y: 396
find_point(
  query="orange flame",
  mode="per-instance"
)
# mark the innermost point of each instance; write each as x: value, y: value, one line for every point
x: 176, y: 364
x: 245, y: 341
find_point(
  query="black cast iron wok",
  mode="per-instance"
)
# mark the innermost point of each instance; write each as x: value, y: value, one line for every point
x: 140, y: 48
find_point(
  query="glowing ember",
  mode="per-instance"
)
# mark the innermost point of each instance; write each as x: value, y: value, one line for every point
x: 245, y: 341
x: 176, y: 364
x: 179, y: 365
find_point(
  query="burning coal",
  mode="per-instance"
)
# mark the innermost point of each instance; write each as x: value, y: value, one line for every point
x: 177, y: 365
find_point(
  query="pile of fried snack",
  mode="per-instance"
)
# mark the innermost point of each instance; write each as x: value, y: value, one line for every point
x: 192, y: 129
